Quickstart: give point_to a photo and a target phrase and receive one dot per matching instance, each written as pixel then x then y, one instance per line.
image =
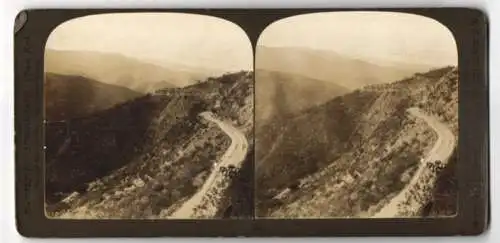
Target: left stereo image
pixel 148 116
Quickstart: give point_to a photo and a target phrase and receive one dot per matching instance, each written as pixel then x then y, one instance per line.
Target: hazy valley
pixel 292 79
pixel 70 96
pixel 116 69
pixel 329 66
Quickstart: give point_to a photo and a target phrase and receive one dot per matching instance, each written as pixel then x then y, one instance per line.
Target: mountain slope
pixel 349 156
pixel 281 94
pixel 330 66
pixel 74 96
pixel 145 157
pixel 118 70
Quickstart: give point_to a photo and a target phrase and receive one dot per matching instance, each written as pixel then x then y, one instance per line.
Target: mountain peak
pixel 118 69
pixel 331 66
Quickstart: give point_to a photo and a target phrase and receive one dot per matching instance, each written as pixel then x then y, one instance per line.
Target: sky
pixel 209 42
pixel 188 39
pixel 381 37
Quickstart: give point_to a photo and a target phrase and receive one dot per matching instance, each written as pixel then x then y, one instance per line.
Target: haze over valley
pixel 302 77
pixel 120 70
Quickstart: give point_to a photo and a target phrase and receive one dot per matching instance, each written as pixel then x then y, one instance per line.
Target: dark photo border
pixel 470 29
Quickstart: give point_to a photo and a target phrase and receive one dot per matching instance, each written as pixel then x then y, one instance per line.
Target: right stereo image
pixel 356 116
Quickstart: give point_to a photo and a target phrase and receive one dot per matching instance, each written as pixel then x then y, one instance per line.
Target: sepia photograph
pixel 148 116
pixel 241 122
pixel 356 116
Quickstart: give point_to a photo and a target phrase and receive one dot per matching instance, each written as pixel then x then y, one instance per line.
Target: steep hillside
pixel 348 157
pixel 330 66
pixel 75 96
pixel 142 158
pixel 280 94
pixel 118 70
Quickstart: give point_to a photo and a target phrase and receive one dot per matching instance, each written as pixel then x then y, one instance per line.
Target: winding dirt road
pixel 442 150
pixel 234 155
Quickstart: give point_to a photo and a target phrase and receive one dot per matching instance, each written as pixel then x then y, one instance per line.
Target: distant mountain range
pixel 291 79
pixel 332 67
pixel 69 96
pixel 120 70
pixel 279 93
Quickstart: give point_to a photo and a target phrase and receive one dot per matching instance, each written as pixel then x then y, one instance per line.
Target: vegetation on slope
pixel 141 158
pixel 348 157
